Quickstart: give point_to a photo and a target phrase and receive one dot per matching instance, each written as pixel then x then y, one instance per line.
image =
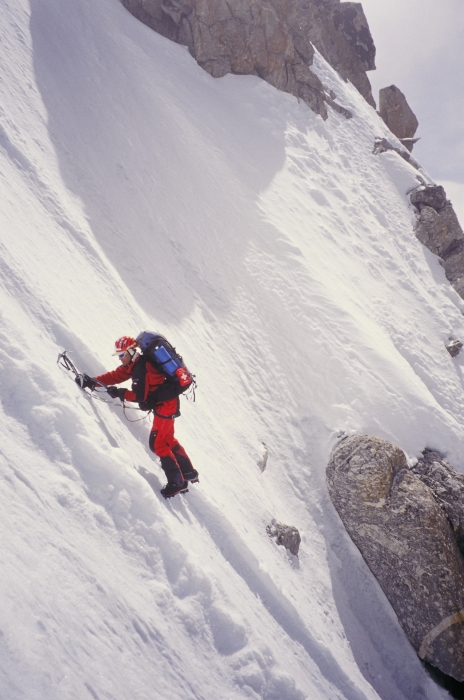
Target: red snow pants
pixel 174 459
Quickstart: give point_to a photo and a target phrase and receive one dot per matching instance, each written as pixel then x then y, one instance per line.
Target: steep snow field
pixel 277 252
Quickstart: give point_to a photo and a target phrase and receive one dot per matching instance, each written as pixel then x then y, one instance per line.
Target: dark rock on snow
pixel 429 196
pixel 406 539
pixel 285 535
pixel 454 348
pixel 397 115
pixel 272 39
pixel 339 30
pixel 439 230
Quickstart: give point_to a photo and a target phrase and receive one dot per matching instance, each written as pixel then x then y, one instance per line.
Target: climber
pixel 150 388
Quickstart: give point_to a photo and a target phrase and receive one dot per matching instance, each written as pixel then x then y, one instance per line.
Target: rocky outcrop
pixel 285 535
pixel 447 486
pixel 439 230
pixel 407 541
pixel 398 115
pixel 428 196
pixel 340 32
pixel 272 39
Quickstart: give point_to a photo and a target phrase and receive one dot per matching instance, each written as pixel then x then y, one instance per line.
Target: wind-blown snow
pixel 277 252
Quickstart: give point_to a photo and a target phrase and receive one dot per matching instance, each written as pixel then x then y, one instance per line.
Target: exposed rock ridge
pixel 272 39
pixel 406 539
pixel 439 230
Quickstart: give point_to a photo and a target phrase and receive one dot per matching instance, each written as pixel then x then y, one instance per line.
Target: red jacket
pixel 153 378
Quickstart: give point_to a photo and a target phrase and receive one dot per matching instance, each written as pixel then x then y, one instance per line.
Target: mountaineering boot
pixel 171 469
pixel 186 466
pixel 171 490
pixel 191 477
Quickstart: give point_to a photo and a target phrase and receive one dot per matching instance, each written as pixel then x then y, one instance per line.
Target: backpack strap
pixel 139 374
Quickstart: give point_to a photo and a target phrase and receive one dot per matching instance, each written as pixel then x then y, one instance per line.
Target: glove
pixel 116 393
pixel 85 382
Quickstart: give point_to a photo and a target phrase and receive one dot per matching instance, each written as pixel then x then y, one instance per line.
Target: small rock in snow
pixel 285 535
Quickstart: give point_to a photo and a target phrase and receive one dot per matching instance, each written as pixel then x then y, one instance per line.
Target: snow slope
pixel 277 252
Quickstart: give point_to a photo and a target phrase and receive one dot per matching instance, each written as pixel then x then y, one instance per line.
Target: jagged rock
pixel 438 228
pixel 270 38
pixel 429 196
pixel 285 535
pixel 448 487
pixel 439 231
pixel 241 37
pixel 397 114
pixel 454 348
pixel 340 32
pixel 406 540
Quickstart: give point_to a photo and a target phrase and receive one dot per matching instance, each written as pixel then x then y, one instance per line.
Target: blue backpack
pixel 159 351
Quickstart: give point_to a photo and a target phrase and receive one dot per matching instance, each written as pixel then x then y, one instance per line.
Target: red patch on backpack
pixel 183 375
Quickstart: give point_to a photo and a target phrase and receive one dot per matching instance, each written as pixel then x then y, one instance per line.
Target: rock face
pixel 397 115
pixel 429 196
pixel 272 39
pixel 340 32
pixel 439 230
pixel 403 534
pixel 448 488
pixel 285 535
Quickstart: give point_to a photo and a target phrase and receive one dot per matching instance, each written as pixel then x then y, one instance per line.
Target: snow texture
pixel 277 253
